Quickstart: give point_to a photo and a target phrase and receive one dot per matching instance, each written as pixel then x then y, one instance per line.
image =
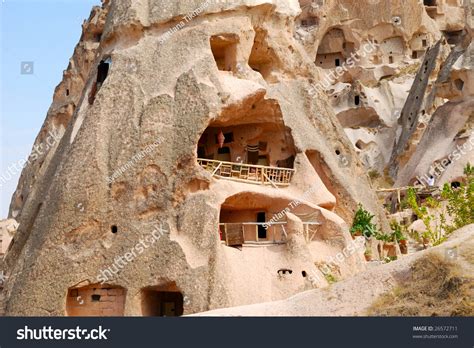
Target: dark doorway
pixel 356 100
pixel 102 72
pixel 162 303
pixel 338 62
pixel 252 154
pixel 223 154
pixel 262 232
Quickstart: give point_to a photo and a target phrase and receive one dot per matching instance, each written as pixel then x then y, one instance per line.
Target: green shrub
pixel 432 202
pixel 388 259
pixel 436 235
pixel 330 278
pixel 461 200
pixel 397 234
pixel 363 223
pixel 373 174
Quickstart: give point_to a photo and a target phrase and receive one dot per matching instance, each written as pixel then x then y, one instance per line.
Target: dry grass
pixel 435 289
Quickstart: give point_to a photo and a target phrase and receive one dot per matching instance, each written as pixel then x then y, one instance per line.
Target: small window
pixel 414 55
pixel 228 138
pixel 223 150
pixel 224 50
pixel 67 92
pixel 356 100
pixel 424 43
pixel 390 59
pixel 338 62
pixel 95 298
pixel 459 84
pixel 455 184
pixel 102 71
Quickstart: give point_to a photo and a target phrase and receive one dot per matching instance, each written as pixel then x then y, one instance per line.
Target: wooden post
pixel 269 180
pixel 226 235
pixel 217 168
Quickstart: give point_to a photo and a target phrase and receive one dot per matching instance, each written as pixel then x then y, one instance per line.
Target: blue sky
pixel 44 32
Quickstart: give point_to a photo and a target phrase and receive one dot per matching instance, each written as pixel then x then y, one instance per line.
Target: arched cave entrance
pixel 250 218
pixel 333 49
pixel 249 145
pixel 162 301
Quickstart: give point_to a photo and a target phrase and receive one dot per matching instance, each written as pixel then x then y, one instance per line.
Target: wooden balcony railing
pixel 248 173
pixel 240 233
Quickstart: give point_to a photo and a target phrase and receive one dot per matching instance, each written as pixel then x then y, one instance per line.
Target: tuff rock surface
pixel 176 68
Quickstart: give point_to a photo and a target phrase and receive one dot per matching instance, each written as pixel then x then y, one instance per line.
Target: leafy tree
pixel 461 200
pixel 436 234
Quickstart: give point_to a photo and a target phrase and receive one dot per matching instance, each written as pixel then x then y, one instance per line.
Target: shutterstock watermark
pixel 27 68
pixel 134 160
pixel 331 77
pixel 49 333
pixel 335 261
pixel 120 262
pixel 38 150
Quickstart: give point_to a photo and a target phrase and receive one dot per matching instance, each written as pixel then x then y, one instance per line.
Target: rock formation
pixel 423 278
pixel 207 153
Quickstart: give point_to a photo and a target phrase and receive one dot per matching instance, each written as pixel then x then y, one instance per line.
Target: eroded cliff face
pixel 393 86
pixel 182 120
